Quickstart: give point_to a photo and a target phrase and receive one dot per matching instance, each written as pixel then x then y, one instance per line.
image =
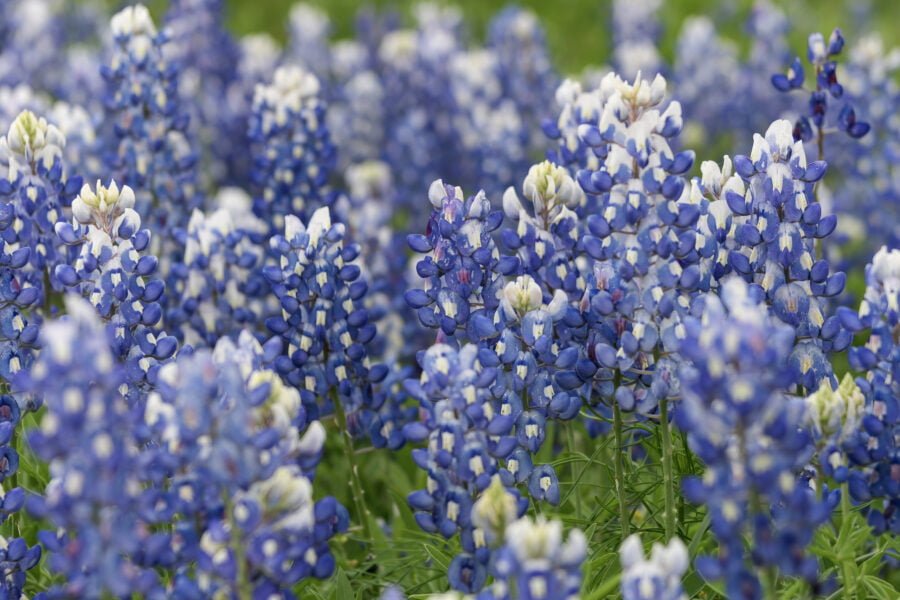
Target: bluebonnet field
pixel 411 315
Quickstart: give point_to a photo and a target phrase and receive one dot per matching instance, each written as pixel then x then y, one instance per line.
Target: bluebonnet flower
pixel 486 407
pixel 636 31
pixel 534 562
pixel 292 151
pixel 257 58
pixel 576 106
pixel 641 219
pixel 95 500
pixel 835 413
pixel 324 322
pixel 546 234
pixel 15 554
pixel 227 433
pixel 821 56
pixel 707 75
pixel 470 440
pixel 777 225
pixel 147 135
pixel 867 195
pixel 750 435
pixel 356 118
pixel 489 129
pixel 108 269
pixel 308 31
pixel 36 190
pixel 657 577
pixel 219 284
pixel 459 268
pixel 33 192
pixel 206 56
pixel 872 449
pixel 17 558
pixel 414 64
pixel 525 70
pixel 527 344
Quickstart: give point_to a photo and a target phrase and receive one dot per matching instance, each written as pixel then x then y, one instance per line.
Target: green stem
pixel 620 469
pixel 847 562
pixel 356 488
pixel 606 590
pixel 668 477
pixel 571 440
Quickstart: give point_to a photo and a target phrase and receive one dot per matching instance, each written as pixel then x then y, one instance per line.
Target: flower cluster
pixel 109 270
pixel 36 191
pixel 95 501
pixel 324 323
pixel 293 155
pixel 871 447
pixel 459 268
pixel 776 226
pixel 582 339
pixel 750 436
pixel 821 57
pixel 148 142
pixel 211 469
pixel 238 475
pixel 657 577
pixel 534 560
pixel 642 231
pixel 219 284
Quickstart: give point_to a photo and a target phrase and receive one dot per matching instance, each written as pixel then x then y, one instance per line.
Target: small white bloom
pixel 521 296
pixel 495 510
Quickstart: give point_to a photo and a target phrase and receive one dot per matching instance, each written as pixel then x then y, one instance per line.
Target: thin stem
pixel 571 441
pixel 846 561
pixel 620 469
pixel 668 478
pixel 356 488
pixel 821 142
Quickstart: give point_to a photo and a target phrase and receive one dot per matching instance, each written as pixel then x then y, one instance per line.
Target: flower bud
pixel 494 510
pixel 835 413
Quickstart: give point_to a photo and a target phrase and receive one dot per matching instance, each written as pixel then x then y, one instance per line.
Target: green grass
pixel 578 31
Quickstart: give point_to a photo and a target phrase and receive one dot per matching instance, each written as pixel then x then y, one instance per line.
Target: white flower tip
pixel 511 203
pixel 631 552
pixel 293 227
pixel 133 20
pixel 436 193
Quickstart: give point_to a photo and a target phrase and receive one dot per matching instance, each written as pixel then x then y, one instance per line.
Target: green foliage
pixel 577 30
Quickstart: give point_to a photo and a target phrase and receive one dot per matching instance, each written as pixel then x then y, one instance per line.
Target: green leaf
pixel 342 588
pixel 880 589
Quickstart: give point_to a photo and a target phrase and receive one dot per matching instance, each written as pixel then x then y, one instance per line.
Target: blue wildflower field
pixel 415 309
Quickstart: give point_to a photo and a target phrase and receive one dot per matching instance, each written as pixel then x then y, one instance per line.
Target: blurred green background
pixel 578 31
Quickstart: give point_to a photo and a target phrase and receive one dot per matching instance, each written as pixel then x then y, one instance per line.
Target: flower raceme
pixel 572 344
